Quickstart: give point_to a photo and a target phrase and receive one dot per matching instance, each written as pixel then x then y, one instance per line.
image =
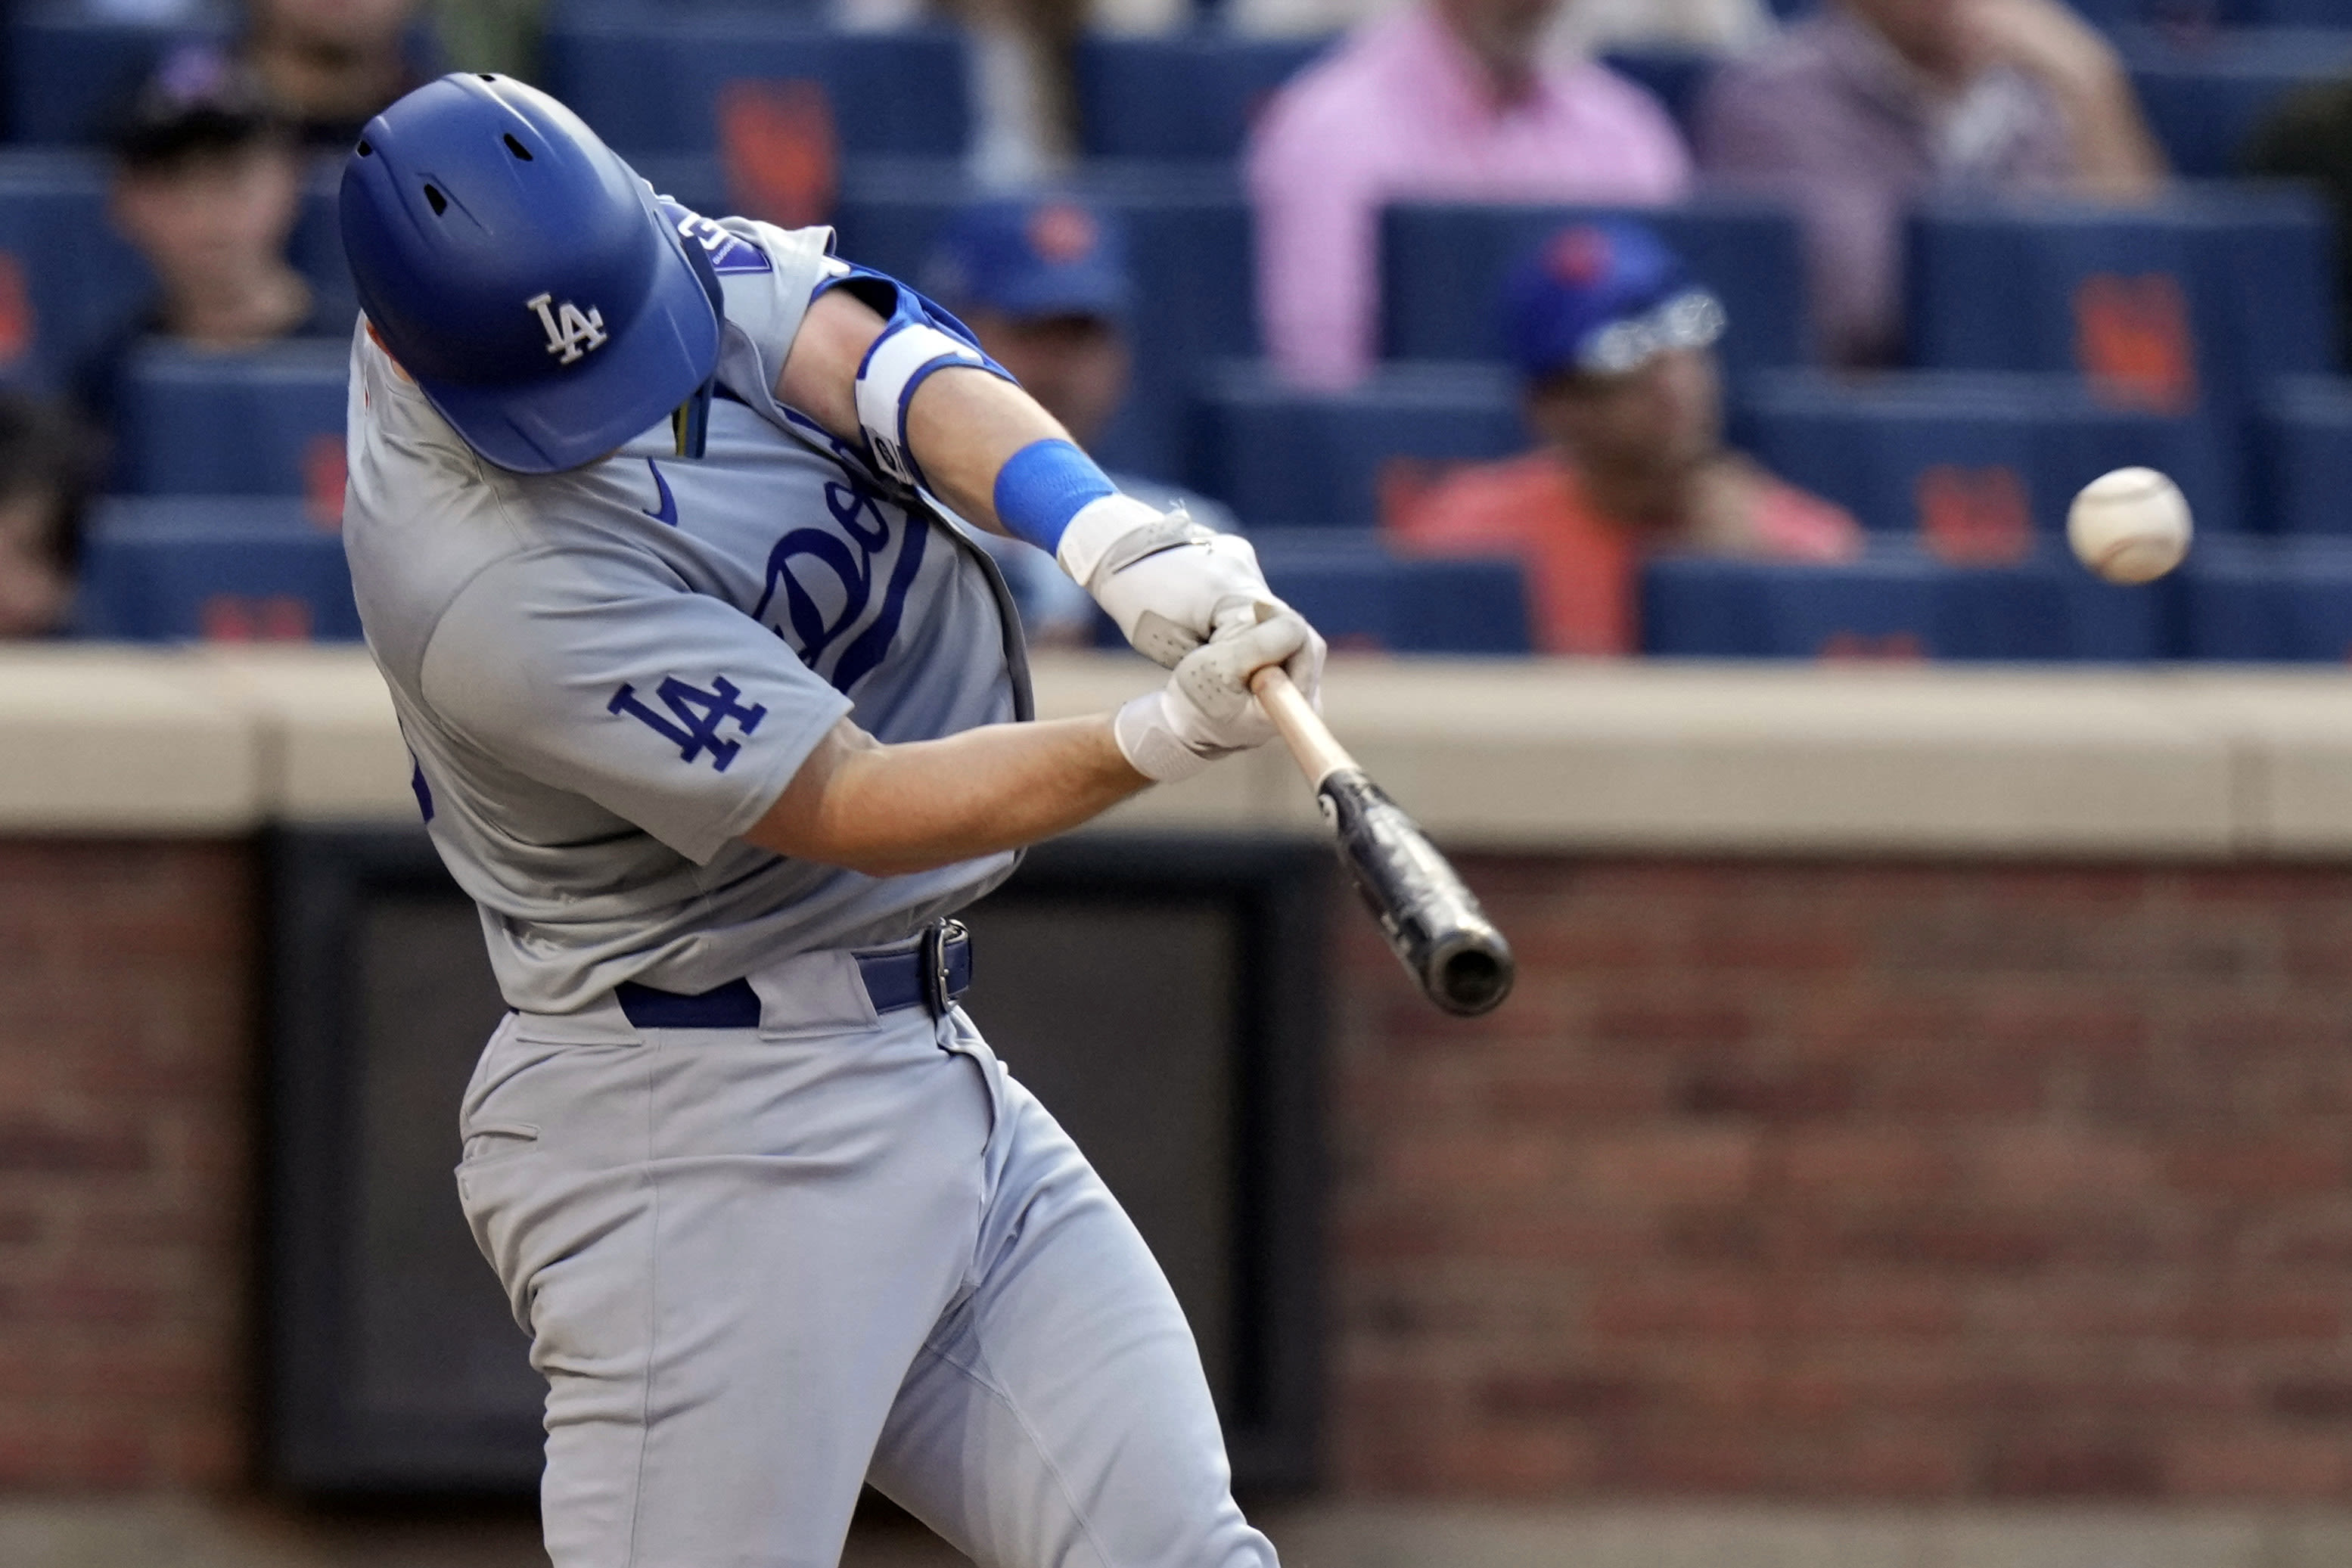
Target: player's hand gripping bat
pixel 1431 920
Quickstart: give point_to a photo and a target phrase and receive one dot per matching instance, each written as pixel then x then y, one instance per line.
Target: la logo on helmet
pixel 570 332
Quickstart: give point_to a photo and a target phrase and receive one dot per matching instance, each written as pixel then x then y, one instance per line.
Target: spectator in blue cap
pixel 1616 344
pixel 1043 282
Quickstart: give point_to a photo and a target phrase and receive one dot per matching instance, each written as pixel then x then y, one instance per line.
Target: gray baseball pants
pixel 760 1267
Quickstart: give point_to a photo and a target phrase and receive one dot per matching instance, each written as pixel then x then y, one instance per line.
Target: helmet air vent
pixel 517 147
pixel 439 203
pixel 366 151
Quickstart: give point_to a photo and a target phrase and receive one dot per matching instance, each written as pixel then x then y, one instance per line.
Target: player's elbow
pixel 841 809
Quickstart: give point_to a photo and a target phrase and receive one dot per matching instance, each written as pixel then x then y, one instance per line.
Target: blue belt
pixel 931 974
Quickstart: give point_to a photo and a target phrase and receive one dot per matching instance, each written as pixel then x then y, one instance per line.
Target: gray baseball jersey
pixel 607 675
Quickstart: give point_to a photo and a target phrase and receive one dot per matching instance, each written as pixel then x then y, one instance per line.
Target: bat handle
pixel 1318 753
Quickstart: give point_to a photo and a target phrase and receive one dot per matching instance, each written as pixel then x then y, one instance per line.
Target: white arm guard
pixel 905 354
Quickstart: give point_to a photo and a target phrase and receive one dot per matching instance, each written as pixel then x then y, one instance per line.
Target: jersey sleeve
pixel 601 672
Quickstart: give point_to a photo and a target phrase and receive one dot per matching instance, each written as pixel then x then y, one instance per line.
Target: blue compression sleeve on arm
pixel 1042 487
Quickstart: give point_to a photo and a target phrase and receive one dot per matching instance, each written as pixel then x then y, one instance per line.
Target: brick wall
pixel 1903 1183
pixel 1829 1181
pixel 125 1078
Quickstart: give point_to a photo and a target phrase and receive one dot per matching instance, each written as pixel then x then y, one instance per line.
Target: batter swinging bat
pixel 1431 920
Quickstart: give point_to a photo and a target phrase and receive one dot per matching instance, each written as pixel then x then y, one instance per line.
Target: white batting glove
pixel 1166 579
pixel 1206 710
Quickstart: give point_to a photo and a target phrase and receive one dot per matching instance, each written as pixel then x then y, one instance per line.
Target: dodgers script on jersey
pixel 606 675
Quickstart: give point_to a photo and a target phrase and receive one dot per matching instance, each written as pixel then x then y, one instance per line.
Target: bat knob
pixel 1469 971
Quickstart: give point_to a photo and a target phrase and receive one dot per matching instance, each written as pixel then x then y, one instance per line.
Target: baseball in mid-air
pixel 2129 525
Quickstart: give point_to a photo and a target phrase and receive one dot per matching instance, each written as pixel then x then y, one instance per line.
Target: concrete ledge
pixel 118 741
pixel 1524 756
pixel 1700 1535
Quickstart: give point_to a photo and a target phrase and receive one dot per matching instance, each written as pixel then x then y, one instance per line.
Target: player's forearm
pixel 890 810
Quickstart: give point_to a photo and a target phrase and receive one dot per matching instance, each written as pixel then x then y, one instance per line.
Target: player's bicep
pixel 820 374
pixel 671 709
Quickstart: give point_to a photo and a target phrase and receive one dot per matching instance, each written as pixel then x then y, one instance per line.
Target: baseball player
pixel 717 721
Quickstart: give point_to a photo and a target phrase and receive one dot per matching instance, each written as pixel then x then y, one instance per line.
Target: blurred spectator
pixel 1623 391
pixel 1859 109
pixel 491 35
pixel 44 474
pixel 1446 99
pixel 1043 282
pixel 207 184
pixel 2309 137
pixel 1023 99
pixel 327 66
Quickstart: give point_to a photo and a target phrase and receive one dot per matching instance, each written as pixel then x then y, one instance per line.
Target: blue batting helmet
pixel 522 274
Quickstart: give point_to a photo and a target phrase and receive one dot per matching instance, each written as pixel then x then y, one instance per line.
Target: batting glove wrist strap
pixel 1147 730
pixel 1110 525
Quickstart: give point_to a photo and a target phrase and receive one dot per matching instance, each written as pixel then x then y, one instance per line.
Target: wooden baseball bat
pixel 1432 921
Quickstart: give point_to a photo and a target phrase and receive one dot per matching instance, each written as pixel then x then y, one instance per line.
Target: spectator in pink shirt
pixel 1446 99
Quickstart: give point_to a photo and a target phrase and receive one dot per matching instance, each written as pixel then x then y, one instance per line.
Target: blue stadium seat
pixel 2209 294
pixel 2269 599
pixel 2205 91
pixel 651 82
pixel 1189 233
pixel 1283 458
pixel 66 276
pixel 266 422
pixel 1443 266
pixel 1363 598
pixel 247 570
pixel 72 72
pixel 2305 456
pixel 1897 603
pixel 1951 454
pixel 1187 95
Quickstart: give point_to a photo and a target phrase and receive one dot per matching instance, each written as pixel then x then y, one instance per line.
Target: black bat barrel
pixel 1432 921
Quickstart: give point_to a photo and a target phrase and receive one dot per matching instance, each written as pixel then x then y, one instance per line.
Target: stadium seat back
pixel 1284 458
pixel 265 422
pixel 1187 95
pixel 1365 599
pixel 2303 456
pixel 1969 461
pixel 2204 92
pixel 245 570
pixel 71 70
pixel 67 278
pixel 1443 266
pixel 1899 604
pixel 2200 299
pixel 658 82
pixel 1881 608
pixel 2269 601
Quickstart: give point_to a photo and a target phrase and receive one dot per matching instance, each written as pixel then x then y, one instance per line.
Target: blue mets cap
pixel 1030 257
pixel 1604 297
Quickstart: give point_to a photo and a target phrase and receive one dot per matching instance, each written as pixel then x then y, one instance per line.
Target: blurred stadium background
pixel 1924 1135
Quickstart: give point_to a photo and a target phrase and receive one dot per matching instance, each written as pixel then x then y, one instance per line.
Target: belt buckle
pixel 934 954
